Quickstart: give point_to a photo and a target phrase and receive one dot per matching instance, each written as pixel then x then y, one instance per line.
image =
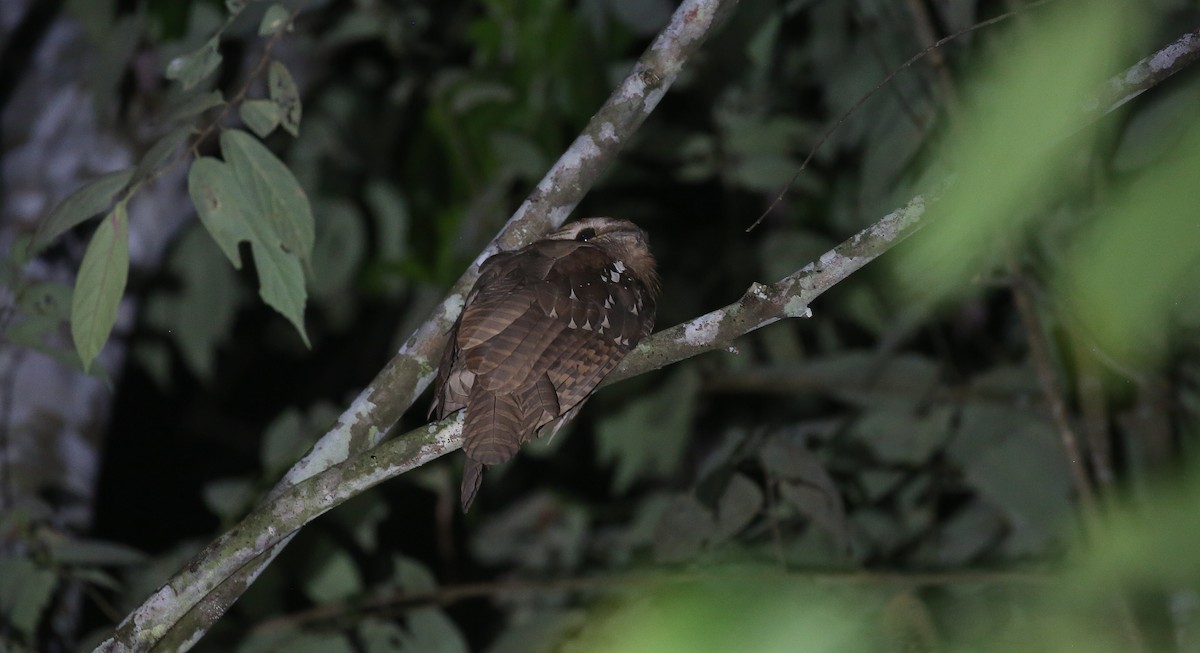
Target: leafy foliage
pixel 888 475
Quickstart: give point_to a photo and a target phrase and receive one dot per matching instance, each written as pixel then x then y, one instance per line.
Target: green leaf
pixel 285 94
pixel 275 19
pixel 198 313
pixel 1014 459
pixel 25 591
pixel 276 193
pixel 193 104
pixel 338 252
pixel 192 68
pixel 261 116
pixel 334 576
pixel 429 630
pixel 283 442
pixel 739 505
pixel 624 437
pixel 686 527
pixel 229 498
pixel 92 198
pixel 95 553
pixel 160 151
pixel 255 198
pixel 100 284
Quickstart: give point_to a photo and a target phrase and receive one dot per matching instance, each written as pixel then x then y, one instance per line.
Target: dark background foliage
pixel 894 456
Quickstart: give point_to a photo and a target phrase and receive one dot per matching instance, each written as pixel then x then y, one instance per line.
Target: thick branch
pixel 183 610
pixel 272 523
pixel 339 466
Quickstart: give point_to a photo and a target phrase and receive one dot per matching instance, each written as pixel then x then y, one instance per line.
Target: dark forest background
pixel 983 440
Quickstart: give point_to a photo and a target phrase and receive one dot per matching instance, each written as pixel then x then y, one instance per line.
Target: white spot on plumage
pixel 608 302
pixel 554 311
pixel 572 295
pixel 587 326
pixel 619 266
pixel 572 324
pixel 614 275
pixel 605 324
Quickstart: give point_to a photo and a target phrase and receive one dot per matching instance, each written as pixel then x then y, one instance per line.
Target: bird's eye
pixel 586 234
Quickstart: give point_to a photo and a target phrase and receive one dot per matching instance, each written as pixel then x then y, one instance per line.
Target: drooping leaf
pixel 100 285
pixel 274 190
pixel 93 197
pixel 237 202
pixel 286 96
pixel 192 68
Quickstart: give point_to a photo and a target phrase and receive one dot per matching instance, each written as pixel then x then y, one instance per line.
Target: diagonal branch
pixel 340 465
pixel 176 616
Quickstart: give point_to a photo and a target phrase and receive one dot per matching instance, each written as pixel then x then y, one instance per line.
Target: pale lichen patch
pixel 704 329
pixel 796 307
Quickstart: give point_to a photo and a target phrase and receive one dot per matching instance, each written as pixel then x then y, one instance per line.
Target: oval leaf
pixel 94 197
pixel 100 284
pixel 261 116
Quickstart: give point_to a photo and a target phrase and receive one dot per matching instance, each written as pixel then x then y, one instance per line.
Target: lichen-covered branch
pixel 1145 74
pixel 340 465
pixel 181 612
pixel 272 523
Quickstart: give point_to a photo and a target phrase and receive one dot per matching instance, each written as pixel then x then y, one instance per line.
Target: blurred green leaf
pixel 94 197
pixel 261 116
pixel 158 153
pixel 190 105
pixel 273 20
pixel 1015 460
pixel 1014 152
pixel 95 553
pixel 25 592
pixel 229 498
pixel 739 505
pixel 1138 261
pixel 100 285
pixel 686 527
pixel 200 313
pixel 429 630
pixel 284 441
pixel 332 575
pixel 192 68
pixel 286 96
pixel 622 437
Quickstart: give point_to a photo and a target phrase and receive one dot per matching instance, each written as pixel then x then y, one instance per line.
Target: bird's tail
pixel 472 477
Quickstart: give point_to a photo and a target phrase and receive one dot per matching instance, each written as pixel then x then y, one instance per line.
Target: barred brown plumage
pixel 541 328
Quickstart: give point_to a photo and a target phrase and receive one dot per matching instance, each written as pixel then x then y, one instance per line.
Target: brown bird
pixel 541 328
